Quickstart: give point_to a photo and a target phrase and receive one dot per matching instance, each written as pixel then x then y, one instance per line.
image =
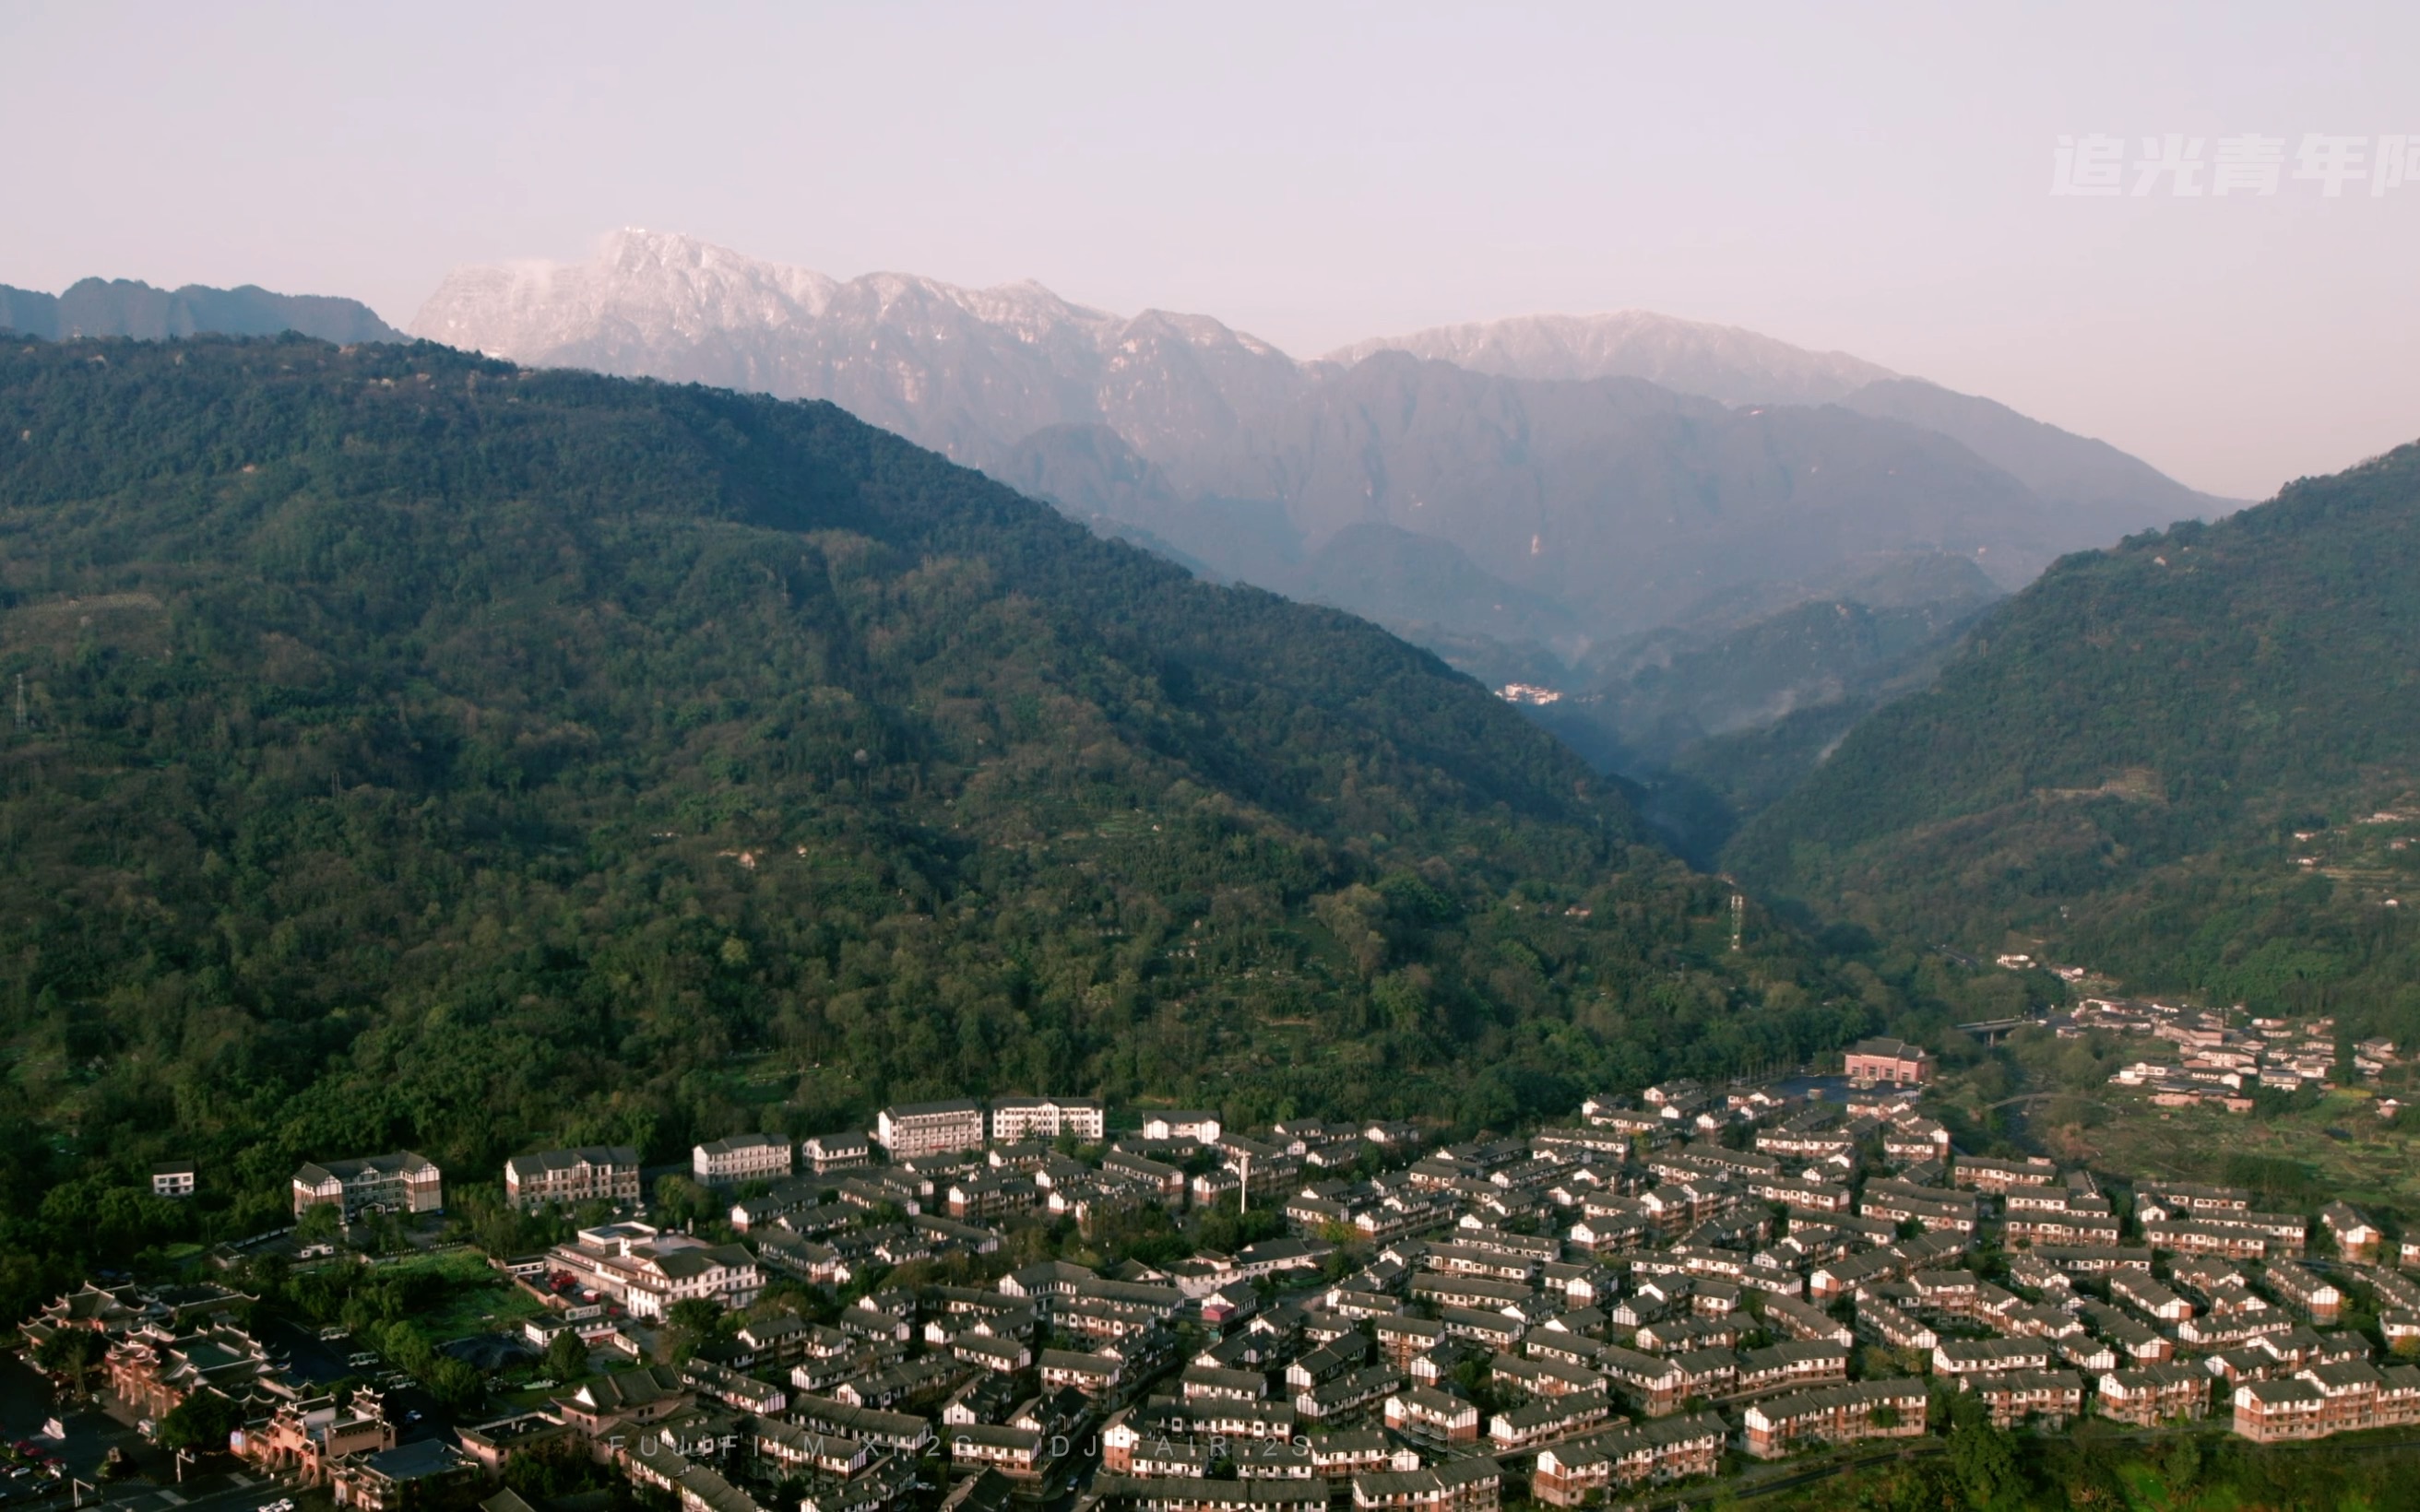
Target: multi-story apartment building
pixel 1974 1357
pixel 1432 1414
pixel 2270 1411
pixel 1018 1119
pixel 1570 1475
pixel 1193 1124
pixel 910 1129
pixel 2357 1238
pixel 825 1153
pixel 1201 1493
pixel 593 1173
pixel 2051 1397
pixel 649 1272
pixel 2156 1394
pixel 1473 1485
pixel 173 1178
pixel 1545 1419
pixel 402 1182
pixel 747 1157
pixel 1986 1175
pixel 1835 1414
pixel 2196 1236
pixel 2138 1290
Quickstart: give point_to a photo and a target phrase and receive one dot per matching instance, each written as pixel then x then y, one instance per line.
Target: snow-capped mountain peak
pixel 968 371
pixel 1717 362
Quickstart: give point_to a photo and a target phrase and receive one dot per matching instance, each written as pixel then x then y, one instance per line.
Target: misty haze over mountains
pixel 1520 495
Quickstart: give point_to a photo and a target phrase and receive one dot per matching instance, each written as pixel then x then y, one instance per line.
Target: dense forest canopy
pixel 2192 762
pixel 413 750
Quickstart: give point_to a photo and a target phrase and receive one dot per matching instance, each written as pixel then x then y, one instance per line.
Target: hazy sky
pixel 1876 179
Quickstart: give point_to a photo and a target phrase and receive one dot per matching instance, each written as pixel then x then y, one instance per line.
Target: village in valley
pixel 975 1305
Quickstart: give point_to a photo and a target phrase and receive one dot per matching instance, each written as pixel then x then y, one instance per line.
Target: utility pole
pixel 1244 1192
pixel 21 704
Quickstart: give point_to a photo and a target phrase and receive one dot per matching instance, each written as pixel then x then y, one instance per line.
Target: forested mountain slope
pixel 415 750
pixel 2193 760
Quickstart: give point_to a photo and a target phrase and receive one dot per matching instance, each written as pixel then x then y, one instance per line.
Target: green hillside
pixel 2193 760
pixel 416 751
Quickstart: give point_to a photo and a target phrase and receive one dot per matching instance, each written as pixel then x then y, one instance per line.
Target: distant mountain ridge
pixel 996 378
pixel 967 371
pixel 126 307
pixel 2071 471
pixel 1725 362
pixel 1512 494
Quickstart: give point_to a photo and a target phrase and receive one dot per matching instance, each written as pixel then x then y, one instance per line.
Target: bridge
pixel 1990 1031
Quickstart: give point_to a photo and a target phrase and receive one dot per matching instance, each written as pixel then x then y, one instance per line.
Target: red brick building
pixel 1895 1061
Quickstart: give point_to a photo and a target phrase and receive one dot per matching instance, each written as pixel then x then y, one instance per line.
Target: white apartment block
pixel 748 1157
pixel 823 1153
pixel 1018 1119
pixel 911 1130
pixel 648 1270
pixel 1204 1128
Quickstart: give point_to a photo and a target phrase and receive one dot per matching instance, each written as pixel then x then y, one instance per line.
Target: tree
pixel 455 1385
pixel 71 1352
pixel 697 1315
pixel 558 1467
pixel 2181 1466
pixel 202 1421
pixel 567 1355
pixel 680 1202
pixel 688 1325
pixel 1984 1459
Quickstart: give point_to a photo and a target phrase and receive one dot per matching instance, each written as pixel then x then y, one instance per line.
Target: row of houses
pixel 1603 1278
